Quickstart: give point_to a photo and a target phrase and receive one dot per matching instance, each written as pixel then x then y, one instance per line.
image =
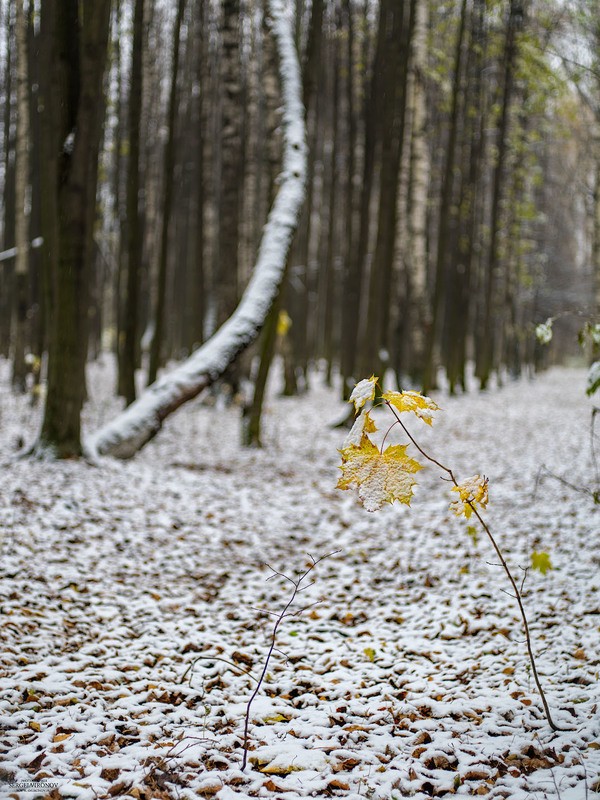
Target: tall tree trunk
pixel 486 333
pixel 252 415
pixel 353 279
pixel 8 191
pixel 197 229
pixel 231 160
pixel 417 306
pixel 328 288
pixel 377 342
pixel 133 233
pixel 464 232
pixel 299 277
pixel 77 45
pixel 19 372
pixel 168 174
pixel 446 214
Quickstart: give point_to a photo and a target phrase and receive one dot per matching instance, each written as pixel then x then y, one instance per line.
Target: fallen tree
pixel 140 422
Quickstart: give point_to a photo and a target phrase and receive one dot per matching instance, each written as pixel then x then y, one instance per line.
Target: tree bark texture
pixel 78 40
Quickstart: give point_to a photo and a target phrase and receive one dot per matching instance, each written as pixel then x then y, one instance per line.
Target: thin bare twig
pixel 216 658
pixel 285 612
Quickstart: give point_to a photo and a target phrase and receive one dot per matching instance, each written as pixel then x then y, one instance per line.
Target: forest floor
pixel 134 602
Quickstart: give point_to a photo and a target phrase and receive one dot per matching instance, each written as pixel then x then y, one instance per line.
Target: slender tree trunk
pixel 463 241
pixel 19 372
pixel 299 276
pixel 328 288
pixel 133 233
pixel 353 279
pixel 8 191
pixel 169 166
pixel 377 341
pixel 486 334
pixel 197 228
pixel 251 422
pixel 596 239
pixel 231 161
pixel 446 213
pixel 416 248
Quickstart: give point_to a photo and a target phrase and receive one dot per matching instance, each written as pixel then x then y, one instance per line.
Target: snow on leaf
pixel 419 404
pixel 380 477
pixel 593 378
pixel 363 424
pixel 473 492
pixel 363 392
pixel 541 562
pixel 543 331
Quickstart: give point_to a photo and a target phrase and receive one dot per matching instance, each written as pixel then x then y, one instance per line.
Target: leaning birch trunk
pixel 142 420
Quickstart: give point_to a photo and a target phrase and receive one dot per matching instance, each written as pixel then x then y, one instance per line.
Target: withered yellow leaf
pixel 363 392
pixel 419 404
pixel 380 477
pixel 473 493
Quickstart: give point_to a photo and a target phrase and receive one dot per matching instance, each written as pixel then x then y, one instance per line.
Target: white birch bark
pixel 141 421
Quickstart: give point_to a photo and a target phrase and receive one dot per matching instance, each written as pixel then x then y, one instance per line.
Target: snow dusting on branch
pixel 137 424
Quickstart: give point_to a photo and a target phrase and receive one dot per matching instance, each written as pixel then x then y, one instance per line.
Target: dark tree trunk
pixel 251 423
pixel 130 326
pixel 353 278
pixel 377 341
pixel 169 166
pixel 486 333
pixel 77 46
pixel 446 215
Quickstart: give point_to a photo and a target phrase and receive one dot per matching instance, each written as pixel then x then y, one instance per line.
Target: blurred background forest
pixel 453 197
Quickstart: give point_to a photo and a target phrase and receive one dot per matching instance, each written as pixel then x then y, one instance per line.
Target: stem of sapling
pixel 517 593
pixel 285 612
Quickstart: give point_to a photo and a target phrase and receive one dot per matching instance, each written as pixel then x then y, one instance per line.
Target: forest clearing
pixel 135 599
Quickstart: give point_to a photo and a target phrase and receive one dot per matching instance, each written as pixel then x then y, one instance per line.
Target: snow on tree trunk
pixel 141 421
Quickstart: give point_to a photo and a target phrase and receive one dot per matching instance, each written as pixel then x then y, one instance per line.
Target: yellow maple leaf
pixel 362 392
pixel 419 404
pixel 362 424
pixel 473 492
pixel 380 477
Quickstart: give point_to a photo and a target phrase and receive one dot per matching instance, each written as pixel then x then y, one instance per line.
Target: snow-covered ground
pixel 134 602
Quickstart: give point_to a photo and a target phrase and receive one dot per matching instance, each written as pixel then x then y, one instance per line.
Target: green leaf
pixel 472 531
pixel 370 653
pixel 541 562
